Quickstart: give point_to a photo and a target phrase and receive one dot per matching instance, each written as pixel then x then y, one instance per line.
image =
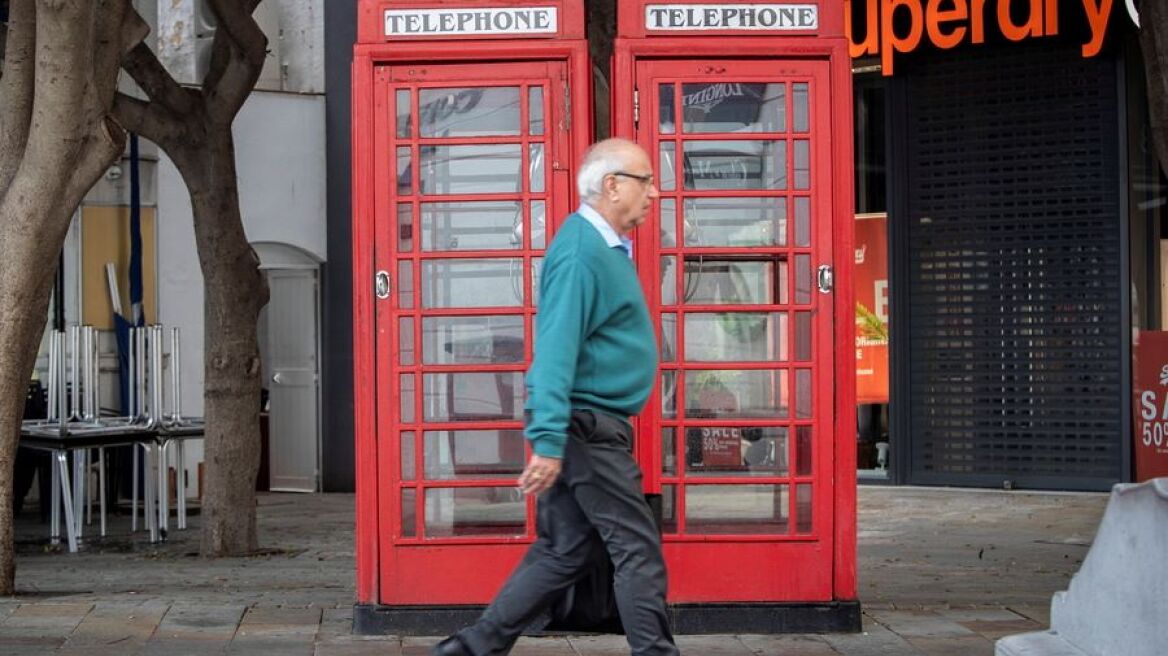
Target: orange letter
pixel 871 44
pixel 1032 26
pixel 1051 17
pixel 893 43
pixel 934 16
pixel 977 21
pixel 1097 17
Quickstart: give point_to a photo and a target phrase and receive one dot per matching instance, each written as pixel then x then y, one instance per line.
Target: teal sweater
pixel 594 345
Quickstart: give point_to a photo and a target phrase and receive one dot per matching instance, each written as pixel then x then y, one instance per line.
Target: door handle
pixel 826 279
pixel 381 284
pixel 277 379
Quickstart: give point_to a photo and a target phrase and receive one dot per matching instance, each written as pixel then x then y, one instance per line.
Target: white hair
pixel 601 160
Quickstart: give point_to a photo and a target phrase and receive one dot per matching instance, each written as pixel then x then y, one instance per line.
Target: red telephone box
pixel 468 119
pixel 746 109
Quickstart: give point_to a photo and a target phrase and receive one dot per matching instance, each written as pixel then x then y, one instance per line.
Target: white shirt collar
pixel 605 229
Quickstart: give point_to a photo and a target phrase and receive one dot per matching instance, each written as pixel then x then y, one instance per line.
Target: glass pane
pixel 735 337
pixel 471 226
pixel 735 394
pixel 669 338
pixel 715 281
pixel 481 169
pixel 406 393
pixel 474 454
pixel 803 400
pixel 802 164
pixel 475 511
pixel 726 509
pixel 536 270
pixel 667 169
pixel 472 340
pixel 803 508
pixel 732 451
pixel 800 110
pixel 535 110
pixel 407 456
pixel 802 279
pixel 668 452
pixel 405 340
pixel 536 168
pixel 802 336
pixel 474 396
pixel 405 227
pixel 735 222
pixel 404 122
pixel 668 223
pixel 735 165
pixel 669 280
pixel 803 451
pixel 472 283
pixel 469 112
pixel 669 395
pixel 409 511
pixel 669 509
pixel 538 226
pixel 665 109
pixel 734 107
pixel 803 221
pixel 405 284
pixel 405 172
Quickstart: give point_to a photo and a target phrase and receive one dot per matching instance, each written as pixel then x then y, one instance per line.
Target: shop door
pixel 470 174
pixel 738 439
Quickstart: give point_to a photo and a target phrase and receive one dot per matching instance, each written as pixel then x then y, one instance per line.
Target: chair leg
pixel 67 494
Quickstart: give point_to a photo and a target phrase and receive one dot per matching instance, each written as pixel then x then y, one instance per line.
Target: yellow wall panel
pixel 105 237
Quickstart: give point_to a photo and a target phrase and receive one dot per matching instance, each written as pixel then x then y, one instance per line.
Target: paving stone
pixel 923 624
pixel 281 615
pixel 995 630
pixel 335 623
pixel 44 620
pixel 765 645
pixel 120 626
pixel 875 640
pixel 359 648
pixel 600 645
pixel 1039 613
pixel 979 614
pixel 712 645
pixel 265 646
pixel 954 646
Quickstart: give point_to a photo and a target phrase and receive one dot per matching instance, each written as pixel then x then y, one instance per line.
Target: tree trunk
pixel 1154 44
pixel 235 292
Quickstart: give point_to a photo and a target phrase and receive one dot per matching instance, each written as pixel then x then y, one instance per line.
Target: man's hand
pixel 539 475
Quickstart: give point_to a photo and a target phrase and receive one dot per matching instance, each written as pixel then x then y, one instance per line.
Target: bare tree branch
pixel 16 87
pixel 143 65
pixel 119 28
pixel 102 147
pixel 237 58
pixel 149 119
pixel 235 19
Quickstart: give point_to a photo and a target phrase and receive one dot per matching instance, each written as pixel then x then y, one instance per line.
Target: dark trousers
pixel 595 505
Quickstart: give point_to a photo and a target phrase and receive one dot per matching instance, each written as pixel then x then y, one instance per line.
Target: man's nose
pixel 653 193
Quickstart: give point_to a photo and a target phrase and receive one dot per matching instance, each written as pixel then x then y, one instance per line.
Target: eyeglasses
pixel 643 179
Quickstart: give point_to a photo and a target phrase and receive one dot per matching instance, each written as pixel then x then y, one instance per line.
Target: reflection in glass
pixel 405 227
pixel 669 509
pixel 405 284
pixel 727 281
pixel 405 340
pixel 734 107
pixel 665 109
pixel 799 97
pixel 734 222
pixel 409 511
pixel 538 227
pixel 669 280
pixel 668 223
pixel 669 338
pixel 803 508
pixel 407 456
pixel 711 165
pixel 736 394
pixel 736 451
pixel 474 454
pixel 802 221
pixel 536 168
pixel 472 283
pixel 405 172
pixel 472 340
pixel 725 509
pixel 802 279
pixel 470 225
pixel 479 169
pixel 405 390
pixel 535 110
pixel 475 511
pixel 474 396
pixel 667 169
pixel 669 394
pixel 803 451
pixel 735 337
pixel 469 112
pixel 802 164
pixel 803 401
pixel 404 124
pixel 536 271
pixel 668 452
pixel 802 336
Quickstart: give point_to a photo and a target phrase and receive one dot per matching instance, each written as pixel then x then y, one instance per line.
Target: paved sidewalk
pixel 942 572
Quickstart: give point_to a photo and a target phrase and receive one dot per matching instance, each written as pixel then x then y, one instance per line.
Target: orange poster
pixel 871 308
pixel 1150 401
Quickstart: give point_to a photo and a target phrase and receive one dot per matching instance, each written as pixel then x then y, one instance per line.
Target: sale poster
pixel 871 308
pixel 1150 401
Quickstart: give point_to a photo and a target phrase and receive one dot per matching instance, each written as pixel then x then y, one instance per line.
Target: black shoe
pixel 451 646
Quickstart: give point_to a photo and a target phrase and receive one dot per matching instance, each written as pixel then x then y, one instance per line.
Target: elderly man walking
pixel 595 362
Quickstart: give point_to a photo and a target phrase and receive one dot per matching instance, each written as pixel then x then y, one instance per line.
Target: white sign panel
pixel 459 22
pixel 732 17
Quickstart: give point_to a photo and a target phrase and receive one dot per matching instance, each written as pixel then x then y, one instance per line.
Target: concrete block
pixel 1039 643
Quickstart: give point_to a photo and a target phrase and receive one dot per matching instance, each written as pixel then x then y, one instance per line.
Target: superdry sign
pixel 777 17
pixel 470 22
